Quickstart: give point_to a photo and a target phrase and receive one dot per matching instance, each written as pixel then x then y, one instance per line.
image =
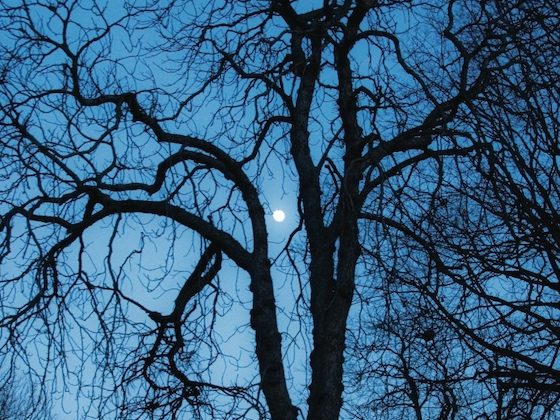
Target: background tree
pixel 142 144
pixel 19 400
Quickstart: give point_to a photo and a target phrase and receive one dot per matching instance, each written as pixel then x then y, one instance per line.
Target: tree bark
pixel 269 345
pixel 329 333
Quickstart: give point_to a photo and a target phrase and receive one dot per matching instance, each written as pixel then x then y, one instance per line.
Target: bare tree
pixel 142 144
pixel 20 400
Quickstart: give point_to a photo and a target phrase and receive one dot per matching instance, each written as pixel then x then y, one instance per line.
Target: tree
pixel 20 401
pixel 420 139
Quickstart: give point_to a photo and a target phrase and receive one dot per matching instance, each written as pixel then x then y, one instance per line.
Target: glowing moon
pixel 278 215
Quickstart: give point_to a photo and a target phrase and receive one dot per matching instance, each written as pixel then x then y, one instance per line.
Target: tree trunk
pixel 329 332
pixel 327 358
pixel 269 345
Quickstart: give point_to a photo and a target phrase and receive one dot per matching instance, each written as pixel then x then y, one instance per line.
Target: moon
pixel 278 215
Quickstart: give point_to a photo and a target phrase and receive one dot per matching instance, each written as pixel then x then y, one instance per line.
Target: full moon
pixel 278 215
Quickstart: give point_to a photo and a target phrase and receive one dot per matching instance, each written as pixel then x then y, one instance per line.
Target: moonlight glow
pixel 278 215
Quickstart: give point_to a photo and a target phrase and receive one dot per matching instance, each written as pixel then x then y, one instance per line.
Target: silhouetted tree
pixel 19 400
pixel 141 145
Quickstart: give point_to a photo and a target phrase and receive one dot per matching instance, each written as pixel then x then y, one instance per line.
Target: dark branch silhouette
pixel 143 144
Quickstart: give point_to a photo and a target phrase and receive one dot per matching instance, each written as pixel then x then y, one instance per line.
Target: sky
pixel 147 256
